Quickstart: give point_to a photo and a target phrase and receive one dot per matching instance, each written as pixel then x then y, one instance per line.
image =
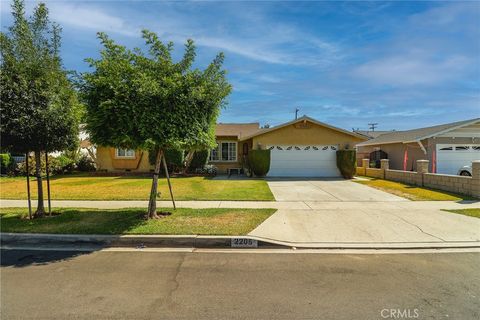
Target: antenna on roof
pixel 296 113
pixel 372 126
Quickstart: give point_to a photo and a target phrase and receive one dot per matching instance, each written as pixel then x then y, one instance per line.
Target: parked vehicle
pixel 465 171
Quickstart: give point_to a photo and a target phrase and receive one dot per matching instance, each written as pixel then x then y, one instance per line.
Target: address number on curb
pixel 244 243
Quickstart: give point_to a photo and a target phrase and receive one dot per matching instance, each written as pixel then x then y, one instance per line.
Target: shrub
pixel 5 163
pixel 85 163
pixel 199 160
pixel 259 162
pixel 63 164
pixel 22 169
pixel 174 157
pixel 347 163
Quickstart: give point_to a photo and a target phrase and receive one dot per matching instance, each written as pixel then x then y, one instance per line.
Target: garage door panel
pixel 303 161
pixel 451 157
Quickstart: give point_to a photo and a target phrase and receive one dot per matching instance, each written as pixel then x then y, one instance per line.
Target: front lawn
pixel 412 192
pixel 467 212
pixel 130 221
pixel 77 187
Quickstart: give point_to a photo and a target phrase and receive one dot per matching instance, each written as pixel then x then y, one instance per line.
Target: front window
pixel 225 151
pixel 125 153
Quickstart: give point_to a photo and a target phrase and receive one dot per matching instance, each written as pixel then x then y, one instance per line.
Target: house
pixel 448 147
pixel 303 147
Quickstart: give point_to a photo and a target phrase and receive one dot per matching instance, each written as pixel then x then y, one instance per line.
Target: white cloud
pixel 412 69
pixel 89 17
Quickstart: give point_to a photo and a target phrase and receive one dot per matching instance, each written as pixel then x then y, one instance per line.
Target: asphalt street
pixel 212 285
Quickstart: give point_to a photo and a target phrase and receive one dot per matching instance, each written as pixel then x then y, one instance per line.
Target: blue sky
pixel 401 64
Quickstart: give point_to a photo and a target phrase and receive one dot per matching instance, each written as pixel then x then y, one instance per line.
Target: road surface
pixel 212 285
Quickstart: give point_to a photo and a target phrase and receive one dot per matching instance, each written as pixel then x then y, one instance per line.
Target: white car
pixel 465 171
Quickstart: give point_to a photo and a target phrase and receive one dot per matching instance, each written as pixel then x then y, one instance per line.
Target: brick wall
pixel 374 173
pixel 458 184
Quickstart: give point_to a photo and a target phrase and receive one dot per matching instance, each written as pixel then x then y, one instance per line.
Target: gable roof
pixel 417 134
pixel 372 134
pixel 236 129
pixel 301 119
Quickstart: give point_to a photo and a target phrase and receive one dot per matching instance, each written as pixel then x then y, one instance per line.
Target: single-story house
pixel 448 147
pixel 303 147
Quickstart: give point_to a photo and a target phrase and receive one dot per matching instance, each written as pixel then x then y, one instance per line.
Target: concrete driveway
pixel 341 213
pixel 326 190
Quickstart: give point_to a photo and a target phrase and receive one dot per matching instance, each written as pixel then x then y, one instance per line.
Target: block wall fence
pixel 458 184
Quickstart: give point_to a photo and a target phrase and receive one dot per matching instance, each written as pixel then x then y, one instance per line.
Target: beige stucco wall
pixel 223 166
pixel 308 134
pixel 107 161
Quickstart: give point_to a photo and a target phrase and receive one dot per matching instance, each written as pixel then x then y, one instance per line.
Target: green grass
pixel 412 192
pixel 82 187
pixel 467 212
pixel 131 221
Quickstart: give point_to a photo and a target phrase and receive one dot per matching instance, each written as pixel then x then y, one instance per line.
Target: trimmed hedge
pixel 347 163
pixel 259 162
pixel 199 160
pixel 5 163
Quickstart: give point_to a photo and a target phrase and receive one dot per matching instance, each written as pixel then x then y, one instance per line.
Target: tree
pixel 40 109
pixel 147 101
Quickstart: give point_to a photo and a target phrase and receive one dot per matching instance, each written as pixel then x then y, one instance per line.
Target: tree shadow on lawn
pixel 69 221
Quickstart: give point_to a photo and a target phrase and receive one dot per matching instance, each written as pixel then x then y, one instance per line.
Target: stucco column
pixel 476 178
pixel 365 165
pixel 422 167
pixel 384 165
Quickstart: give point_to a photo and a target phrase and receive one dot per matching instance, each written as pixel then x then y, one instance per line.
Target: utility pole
pixel 372 126
pixel 296 113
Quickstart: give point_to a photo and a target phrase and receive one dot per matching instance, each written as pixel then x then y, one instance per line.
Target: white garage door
pixel 451 157
pixel 303 161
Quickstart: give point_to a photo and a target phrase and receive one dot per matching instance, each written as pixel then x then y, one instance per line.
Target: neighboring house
pixel 448 147
pixel 372 134
pixel 303 147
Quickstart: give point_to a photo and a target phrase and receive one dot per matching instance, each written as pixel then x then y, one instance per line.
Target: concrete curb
pixel 153 241
pixel 204 242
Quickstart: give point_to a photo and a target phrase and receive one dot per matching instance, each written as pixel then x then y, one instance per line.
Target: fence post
pixel 384 165
pixel 365 165
pixel 422 167
pixel 476 178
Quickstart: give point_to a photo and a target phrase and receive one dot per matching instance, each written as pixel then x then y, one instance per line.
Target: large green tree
pixel 147 101
pixel 39 107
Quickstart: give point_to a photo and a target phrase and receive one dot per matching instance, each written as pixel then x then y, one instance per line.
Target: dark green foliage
pixel 347 163
pixel 259 162
pixel 139 100
pixel 199 160
pixel 39 109
pixel 174 157
pixel 85 164
pixel 6 162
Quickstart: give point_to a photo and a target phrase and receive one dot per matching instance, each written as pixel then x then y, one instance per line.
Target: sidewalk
pixel 293 205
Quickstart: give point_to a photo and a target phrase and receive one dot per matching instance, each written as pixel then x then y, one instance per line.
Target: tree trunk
pixel 38 172
pixel 188 160
pixel 152 204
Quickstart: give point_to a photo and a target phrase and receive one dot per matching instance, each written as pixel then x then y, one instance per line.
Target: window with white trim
pixel 125 153
pixel 225 151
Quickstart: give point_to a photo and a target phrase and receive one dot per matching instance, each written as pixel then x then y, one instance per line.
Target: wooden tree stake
pixel 28 188
pixel 168 180
pixel 48 184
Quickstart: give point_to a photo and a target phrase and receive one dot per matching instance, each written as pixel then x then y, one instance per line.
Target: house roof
pixel 372 134
pixel 417 134
pixel 236 129
pixel 301 119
